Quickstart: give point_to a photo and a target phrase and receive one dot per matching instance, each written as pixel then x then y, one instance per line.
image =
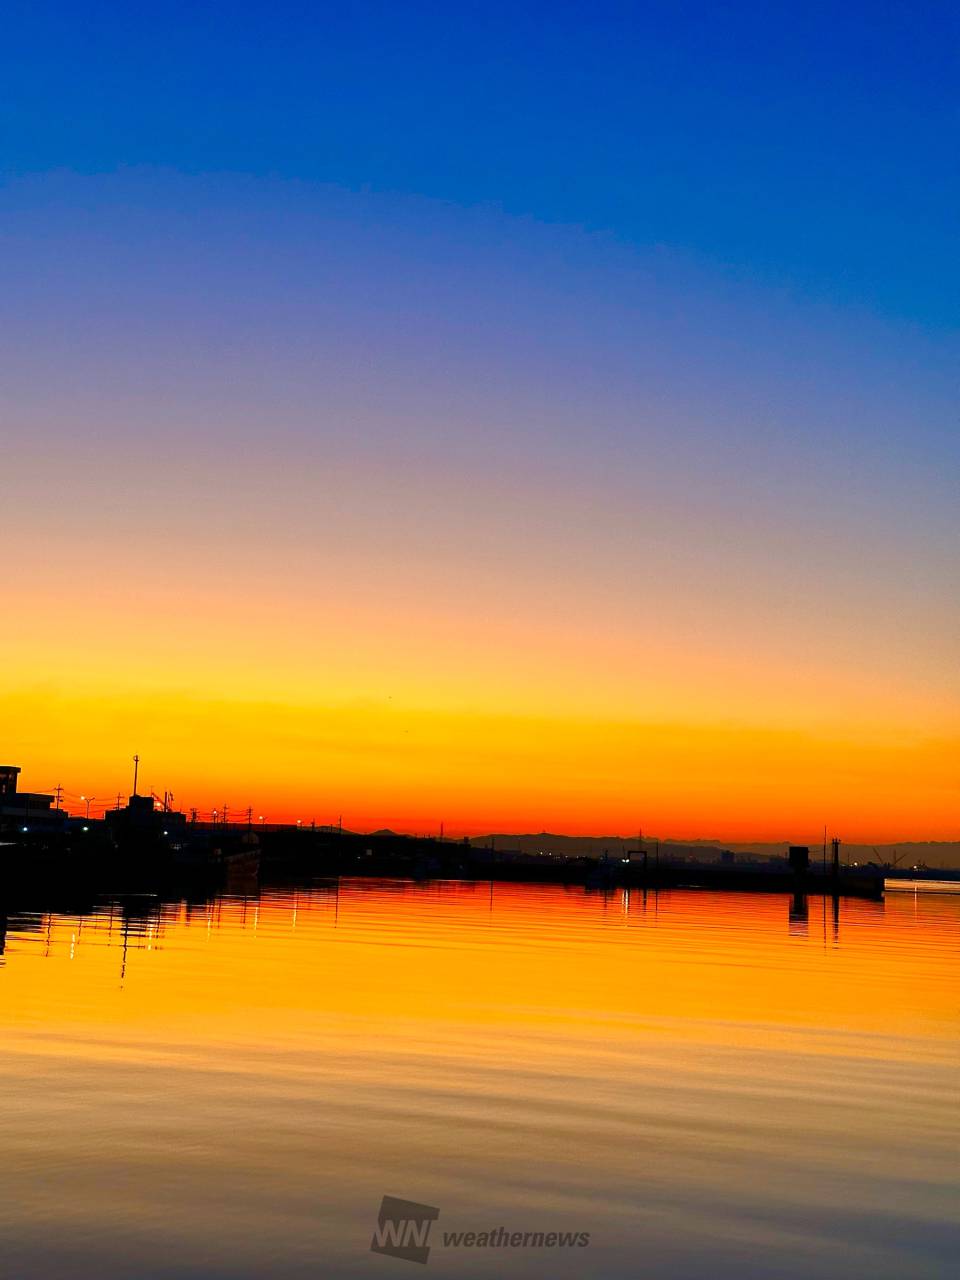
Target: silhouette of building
pixel 799 858
pixel 141 821
pixel 26 810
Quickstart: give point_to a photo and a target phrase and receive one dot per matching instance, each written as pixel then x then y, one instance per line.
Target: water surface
pixel 709 1084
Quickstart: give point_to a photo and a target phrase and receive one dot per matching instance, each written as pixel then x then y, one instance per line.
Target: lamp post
pixel 88 800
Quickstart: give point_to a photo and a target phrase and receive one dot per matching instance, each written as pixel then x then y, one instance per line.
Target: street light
pixel 88 800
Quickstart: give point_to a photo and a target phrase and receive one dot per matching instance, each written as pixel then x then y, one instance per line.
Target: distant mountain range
pixel 906 854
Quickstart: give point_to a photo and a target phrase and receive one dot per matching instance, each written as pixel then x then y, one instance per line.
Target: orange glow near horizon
pixel 392 714
pixel 380 764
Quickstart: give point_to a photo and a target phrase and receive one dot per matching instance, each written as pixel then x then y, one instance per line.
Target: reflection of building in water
pixel 799 914
pixel 26 810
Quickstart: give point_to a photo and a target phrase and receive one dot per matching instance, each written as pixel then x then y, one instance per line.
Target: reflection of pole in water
pixel 123 952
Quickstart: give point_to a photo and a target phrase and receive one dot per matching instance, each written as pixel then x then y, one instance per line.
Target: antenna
pixel 136 770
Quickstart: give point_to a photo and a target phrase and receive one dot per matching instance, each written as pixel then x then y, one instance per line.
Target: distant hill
pixel 590 846
pixel 933 853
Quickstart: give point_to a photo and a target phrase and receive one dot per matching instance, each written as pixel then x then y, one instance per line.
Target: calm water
pixel 710 1084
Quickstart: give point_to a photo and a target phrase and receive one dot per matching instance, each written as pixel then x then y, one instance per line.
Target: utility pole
pixel 59 793
pixel 136 770
pixel 224 811
pixel 249 817
pixel 118 799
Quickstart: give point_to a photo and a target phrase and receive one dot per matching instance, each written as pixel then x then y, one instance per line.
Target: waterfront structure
pixel 26 811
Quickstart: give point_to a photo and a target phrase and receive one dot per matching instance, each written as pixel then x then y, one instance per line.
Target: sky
pixel 521 420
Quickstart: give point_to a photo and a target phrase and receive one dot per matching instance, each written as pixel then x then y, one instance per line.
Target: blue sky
pixel 809 146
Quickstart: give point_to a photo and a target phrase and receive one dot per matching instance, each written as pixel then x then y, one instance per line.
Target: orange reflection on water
pixel 693 1074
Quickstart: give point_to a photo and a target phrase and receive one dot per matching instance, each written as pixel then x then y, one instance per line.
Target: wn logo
pixel 403 1229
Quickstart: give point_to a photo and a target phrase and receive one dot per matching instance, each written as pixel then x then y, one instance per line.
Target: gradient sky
pixel 540 419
